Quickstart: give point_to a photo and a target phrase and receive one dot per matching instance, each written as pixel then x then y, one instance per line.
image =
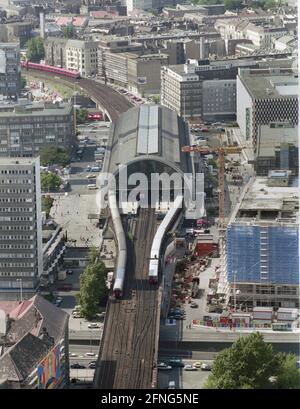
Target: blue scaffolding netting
pixel 244 253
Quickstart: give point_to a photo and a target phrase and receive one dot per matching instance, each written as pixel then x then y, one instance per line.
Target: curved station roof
pixel 148 133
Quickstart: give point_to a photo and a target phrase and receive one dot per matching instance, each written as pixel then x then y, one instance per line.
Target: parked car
pixel 69 272
pixel 176 363
pixel 94 325
pixel 197 364
pixel 164 367
pixel 92 365
pixel 77 366
pixel 72 354
pixel 171 385
pixel 90 354
pixel 190 368
pixel 205 367
pixel 194 305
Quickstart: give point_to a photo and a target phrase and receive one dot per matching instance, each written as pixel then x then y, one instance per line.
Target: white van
pixel 171 385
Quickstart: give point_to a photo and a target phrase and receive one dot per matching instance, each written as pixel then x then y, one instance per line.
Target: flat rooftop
pixel 271 204
pixel 263 85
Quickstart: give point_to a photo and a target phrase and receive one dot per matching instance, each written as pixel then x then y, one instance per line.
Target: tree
pixel 233 4
pixel 47 203
pixel 289 375
pixel 50 182
pixel 68 31
pixel 92 289
pixel 81 115
pixel 35 49
pixel 50 155
pixel 249 364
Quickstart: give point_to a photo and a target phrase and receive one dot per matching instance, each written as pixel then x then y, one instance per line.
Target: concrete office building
pixel 21 256
pixel 181 90
pixel 144 73
pixel 25 127
pixel 109 64
pixel 219 99
pixel 200 91
pixel 262 243
pixel 277 148
pixel 264 96
pixel 82 56
pixel 55 51
pixel 10 70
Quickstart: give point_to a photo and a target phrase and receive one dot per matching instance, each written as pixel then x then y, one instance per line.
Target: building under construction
pixel 261 253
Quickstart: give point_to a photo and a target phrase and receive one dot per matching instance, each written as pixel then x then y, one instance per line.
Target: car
pixel 59 298
pixel 92 365
pixel 77 366
pixel 194 305
pixel 91 176
pixel 164 368
pixel 197 364
pixel 204 129
pixel 190 368
pixel 69 272
pixel 77 315
pixel 171 385
pixel 205 367
pixel 57 302
pixel 94 325
pixel 176 363
pixel 96 169
pixel 90 354
pixel 72 354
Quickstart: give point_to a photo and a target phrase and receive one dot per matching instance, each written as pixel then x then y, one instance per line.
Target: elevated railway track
pixel 108 99
pixel 127 350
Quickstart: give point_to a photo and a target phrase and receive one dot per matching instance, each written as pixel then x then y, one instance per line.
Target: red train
pixel 49 68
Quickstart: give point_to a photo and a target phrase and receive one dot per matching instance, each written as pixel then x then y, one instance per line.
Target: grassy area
pixel 62 89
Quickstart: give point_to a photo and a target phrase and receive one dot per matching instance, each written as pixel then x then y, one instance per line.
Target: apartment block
pixel 264 96
pixel 10 70
pixel 26 127
pixel 21 257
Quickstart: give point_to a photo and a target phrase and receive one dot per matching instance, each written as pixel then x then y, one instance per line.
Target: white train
pixel 122 251
pixel 159 236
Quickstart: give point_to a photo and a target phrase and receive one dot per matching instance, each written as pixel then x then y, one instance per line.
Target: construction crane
pixel 221 151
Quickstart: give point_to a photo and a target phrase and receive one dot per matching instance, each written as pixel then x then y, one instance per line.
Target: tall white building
pixel 139 5
pixel 82 56
pixel 21 262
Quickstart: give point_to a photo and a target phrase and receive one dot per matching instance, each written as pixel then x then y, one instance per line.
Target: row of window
pixel 15 172
pixel 24 228
pixel 16 246
pixel 15 209
pixel 23 237
pixel 16 181
pixel 16 219
pixel 23 264
pixel 15 200
pixel 15 190
pixel 16 255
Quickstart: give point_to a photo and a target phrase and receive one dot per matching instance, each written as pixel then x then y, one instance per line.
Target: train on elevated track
pixel 49 68
pixel 165 225
pixel 154 264
pixel 122 250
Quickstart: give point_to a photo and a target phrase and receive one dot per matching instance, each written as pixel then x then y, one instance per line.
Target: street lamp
pixel 21 287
